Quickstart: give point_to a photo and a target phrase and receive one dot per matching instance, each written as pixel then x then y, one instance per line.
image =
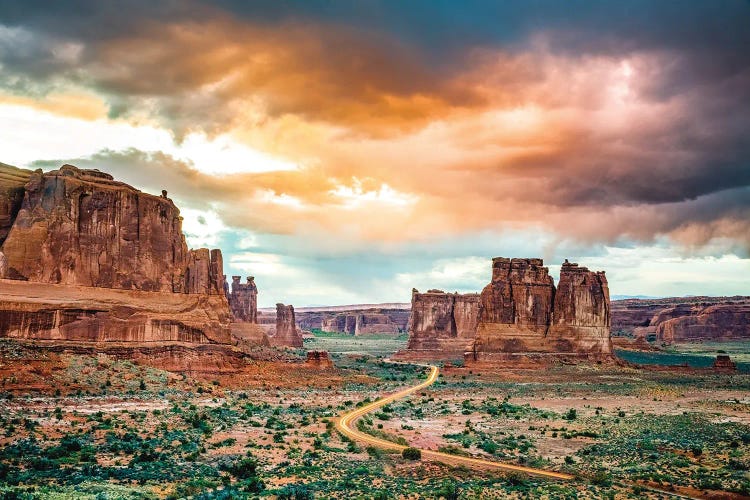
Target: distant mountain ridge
pixel 350 307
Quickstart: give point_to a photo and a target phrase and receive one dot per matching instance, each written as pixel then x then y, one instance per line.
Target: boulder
pixel 319 360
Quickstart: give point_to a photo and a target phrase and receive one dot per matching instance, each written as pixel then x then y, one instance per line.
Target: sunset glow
pixel 411 156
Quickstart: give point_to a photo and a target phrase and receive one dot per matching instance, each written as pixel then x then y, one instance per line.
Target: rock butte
pixel 519 317
pixel 90 261
pixel 287 333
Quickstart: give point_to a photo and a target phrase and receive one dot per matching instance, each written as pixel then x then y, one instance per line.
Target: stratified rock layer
pixel 581 314
pixel 91 259
pixel 516 307
pixel 442 325
pixel 519 313
pixel 287 333
pixel 682 319
pixel 717 322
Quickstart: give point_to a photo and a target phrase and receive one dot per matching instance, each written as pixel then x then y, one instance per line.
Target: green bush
pixel 412 453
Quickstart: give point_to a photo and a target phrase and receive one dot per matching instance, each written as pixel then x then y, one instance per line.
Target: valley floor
pixel 91 427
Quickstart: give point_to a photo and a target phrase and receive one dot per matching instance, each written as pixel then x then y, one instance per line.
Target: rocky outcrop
pixel 243 300
pixel 716 322
pixel 12 182
pixel 724 363
pixel 360 323
pixel 523 312
pixel 287 334
pixel 581 315
pixel 91 259
pixel 519 313
pixel 682 319
pixel 319 360
pixel 516 307
pixel 442 325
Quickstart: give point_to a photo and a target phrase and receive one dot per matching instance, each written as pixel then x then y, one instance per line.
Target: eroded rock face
pixel 678 319
pixel 715 322
pixel 12 182
pixel 442 325
pixel 91 259
pixel 287 333
pixel 81 227
pixel 519 313
pixel 356 321
pixel 516 307
pixel 243 300
pixel 581 314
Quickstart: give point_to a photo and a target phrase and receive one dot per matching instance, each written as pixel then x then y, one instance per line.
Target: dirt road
pixel 346 425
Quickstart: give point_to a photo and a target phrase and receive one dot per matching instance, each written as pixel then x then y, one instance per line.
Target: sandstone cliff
pixel 520 312
pixel 287 333
pixel 581 315
pixel 678 319
pixel 516 307
pixel 441 325
pixel 91 259
pixel 717 322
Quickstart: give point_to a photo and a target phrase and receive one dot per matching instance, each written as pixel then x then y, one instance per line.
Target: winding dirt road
pixel 345 425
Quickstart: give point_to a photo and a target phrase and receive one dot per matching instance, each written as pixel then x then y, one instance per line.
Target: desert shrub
pixel 244 468
pixel 489 446
pixel 601 478
pixel 448 490
pixel 411 453
pixel 295 492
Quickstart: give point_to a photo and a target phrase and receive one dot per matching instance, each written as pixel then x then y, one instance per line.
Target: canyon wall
pixel 353 320
pixel 89 259
pixel 681 319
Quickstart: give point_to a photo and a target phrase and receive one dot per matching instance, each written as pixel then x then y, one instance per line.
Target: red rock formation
pixel 319 360
pixel 95 260
pixel 287 333
pixel 354 321
pixel 678 319
pixel 581 316
pixel 715 322
pixel 516 307
pixel 724 363
pixel 243 300
pixel 442 325
pixel 518 314
pixel 12 182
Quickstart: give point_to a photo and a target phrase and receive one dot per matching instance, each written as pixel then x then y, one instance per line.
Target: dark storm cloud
pixel 664 151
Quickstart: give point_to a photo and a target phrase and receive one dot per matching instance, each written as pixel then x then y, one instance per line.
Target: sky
pixel 347 152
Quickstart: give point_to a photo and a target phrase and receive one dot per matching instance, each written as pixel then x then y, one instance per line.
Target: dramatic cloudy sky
pixel 345 152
